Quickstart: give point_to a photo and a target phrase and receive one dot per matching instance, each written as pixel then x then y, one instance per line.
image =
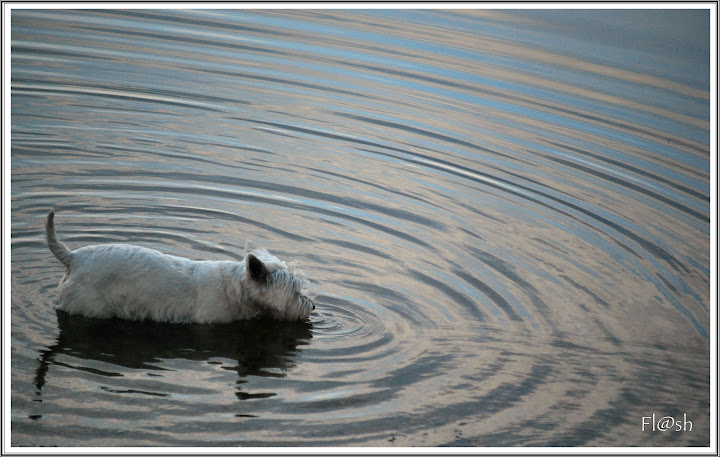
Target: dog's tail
pixel 58 248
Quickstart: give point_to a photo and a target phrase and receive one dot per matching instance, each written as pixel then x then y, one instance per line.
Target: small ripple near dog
pixel 132 282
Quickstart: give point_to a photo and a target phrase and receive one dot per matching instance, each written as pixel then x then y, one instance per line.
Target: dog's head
pixel 277 288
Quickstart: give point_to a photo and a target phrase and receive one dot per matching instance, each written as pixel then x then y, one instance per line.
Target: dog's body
pixel 132 282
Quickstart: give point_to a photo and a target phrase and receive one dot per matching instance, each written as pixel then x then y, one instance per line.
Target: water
pixel 505 216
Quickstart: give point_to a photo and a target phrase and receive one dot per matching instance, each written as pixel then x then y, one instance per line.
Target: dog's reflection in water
pixel 261 347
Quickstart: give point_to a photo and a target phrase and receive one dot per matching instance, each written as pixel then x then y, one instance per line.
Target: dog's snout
pixel 313 306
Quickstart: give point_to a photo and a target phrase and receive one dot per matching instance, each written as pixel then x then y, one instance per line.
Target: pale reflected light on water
pixel 505 216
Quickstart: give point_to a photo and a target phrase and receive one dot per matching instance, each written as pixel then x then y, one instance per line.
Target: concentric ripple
pixel 504 216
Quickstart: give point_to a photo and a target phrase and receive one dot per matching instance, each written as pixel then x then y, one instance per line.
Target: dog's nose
pixel 313 306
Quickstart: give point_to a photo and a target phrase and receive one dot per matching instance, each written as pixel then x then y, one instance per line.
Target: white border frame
pixel 7 448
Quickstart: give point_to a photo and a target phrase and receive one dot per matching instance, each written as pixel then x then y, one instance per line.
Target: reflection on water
pixel 250 348
pixel 505 216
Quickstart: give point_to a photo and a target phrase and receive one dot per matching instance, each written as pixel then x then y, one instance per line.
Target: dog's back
pixel 123 280
pixel 131 282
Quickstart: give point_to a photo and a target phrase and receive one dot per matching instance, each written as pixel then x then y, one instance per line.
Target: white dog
pixel 132 282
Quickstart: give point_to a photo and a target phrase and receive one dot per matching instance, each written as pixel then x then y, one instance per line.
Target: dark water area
pixel 505 217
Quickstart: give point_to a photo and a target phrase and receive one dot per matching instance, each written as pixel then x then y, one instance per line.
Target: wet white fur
pixel 132 282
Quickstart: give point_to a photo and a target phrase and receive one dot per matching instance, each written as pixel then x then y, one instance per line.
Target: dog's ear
pixel 257 269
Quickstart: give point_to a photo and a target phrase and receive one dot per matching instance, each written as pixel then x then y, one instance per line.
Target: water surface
pixel 505 216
